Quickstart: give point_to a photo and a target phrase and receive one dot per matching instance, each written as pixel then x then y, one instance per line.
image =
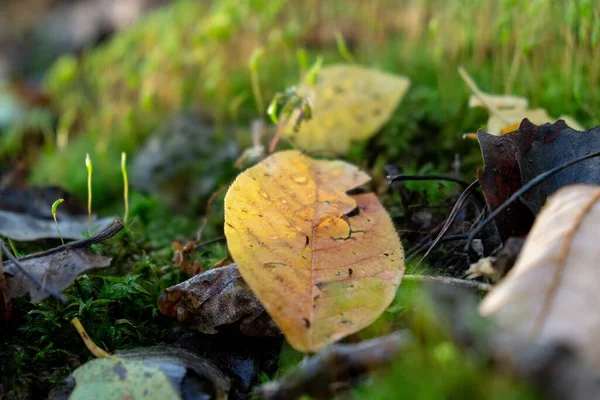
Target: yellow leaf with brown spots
pixel 349 103
pixel 323 263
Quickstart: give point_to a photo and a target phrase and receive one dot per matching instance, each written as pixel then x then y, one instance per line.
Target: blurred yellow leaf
pixel 324 264
pixel 349 103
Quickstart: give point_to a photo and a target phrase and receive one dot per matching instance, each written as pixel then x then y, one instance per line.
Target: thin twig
pixel 208 208
pixel 338 364
pixel 198 246
pixel 399 178
pixel 453 214
pixel 484 287
pixel 109 232
pixel 414 251
pixel 277 137
pixel 535 181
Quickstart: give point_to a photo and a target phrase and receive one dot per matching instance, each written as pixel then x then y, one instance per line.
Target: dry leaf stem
pixel 462 199
pixel 98 352
pixel 484 287
pixel 109 232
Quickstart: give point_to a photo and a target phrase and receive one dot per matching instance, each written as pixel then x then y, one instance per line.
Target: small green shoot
pixel 254 58
pixel 54 207
pixel 125 185
pixel 13 248
pixel 313 72
pixel 275 107
pixel 88 165
pixel 302 57
pixel 64 126
pixel 342 48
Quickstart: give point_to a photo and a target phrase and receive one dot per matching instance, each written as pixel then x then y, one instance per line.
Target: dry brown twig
pixel 335 367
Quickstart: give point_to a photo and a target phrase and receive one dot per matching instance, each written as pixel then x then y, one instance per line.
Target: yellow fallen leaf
pixel 324 264
pixel 349 103
pixel 550 296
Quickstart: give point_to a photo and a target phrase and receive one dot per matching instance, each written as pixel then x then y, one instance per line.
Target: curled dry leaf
pixel 57 268
pixel 323 263
pixel 214 298
pixel 56 271
pixel 511 110
pixel 349 103
pixel 516 158
pixel 550 294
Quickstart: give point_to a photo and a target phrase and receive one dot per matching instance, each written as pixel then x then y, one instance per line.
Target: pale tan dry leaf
pixel 501 102
pixel 572 123
pixel 511 110
pixel 496 125
pixel 551 294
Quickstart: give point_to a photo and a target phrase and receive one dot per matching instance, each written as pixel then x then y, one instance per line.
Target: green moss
pixel 116 305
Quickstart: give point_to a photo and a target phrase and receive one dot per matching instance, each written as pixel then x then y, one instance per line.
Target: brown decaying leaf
pixel 514 159
pixel 323 263
pixel 217 297
pixel 550 294
pixel 56 271
pixel 58 267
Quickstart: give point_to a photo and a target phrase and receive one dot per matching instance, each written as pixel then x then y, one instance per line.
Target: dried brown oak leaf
pixel 515 158
pixel 323 263
pixel 214 298
pixel 551 294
